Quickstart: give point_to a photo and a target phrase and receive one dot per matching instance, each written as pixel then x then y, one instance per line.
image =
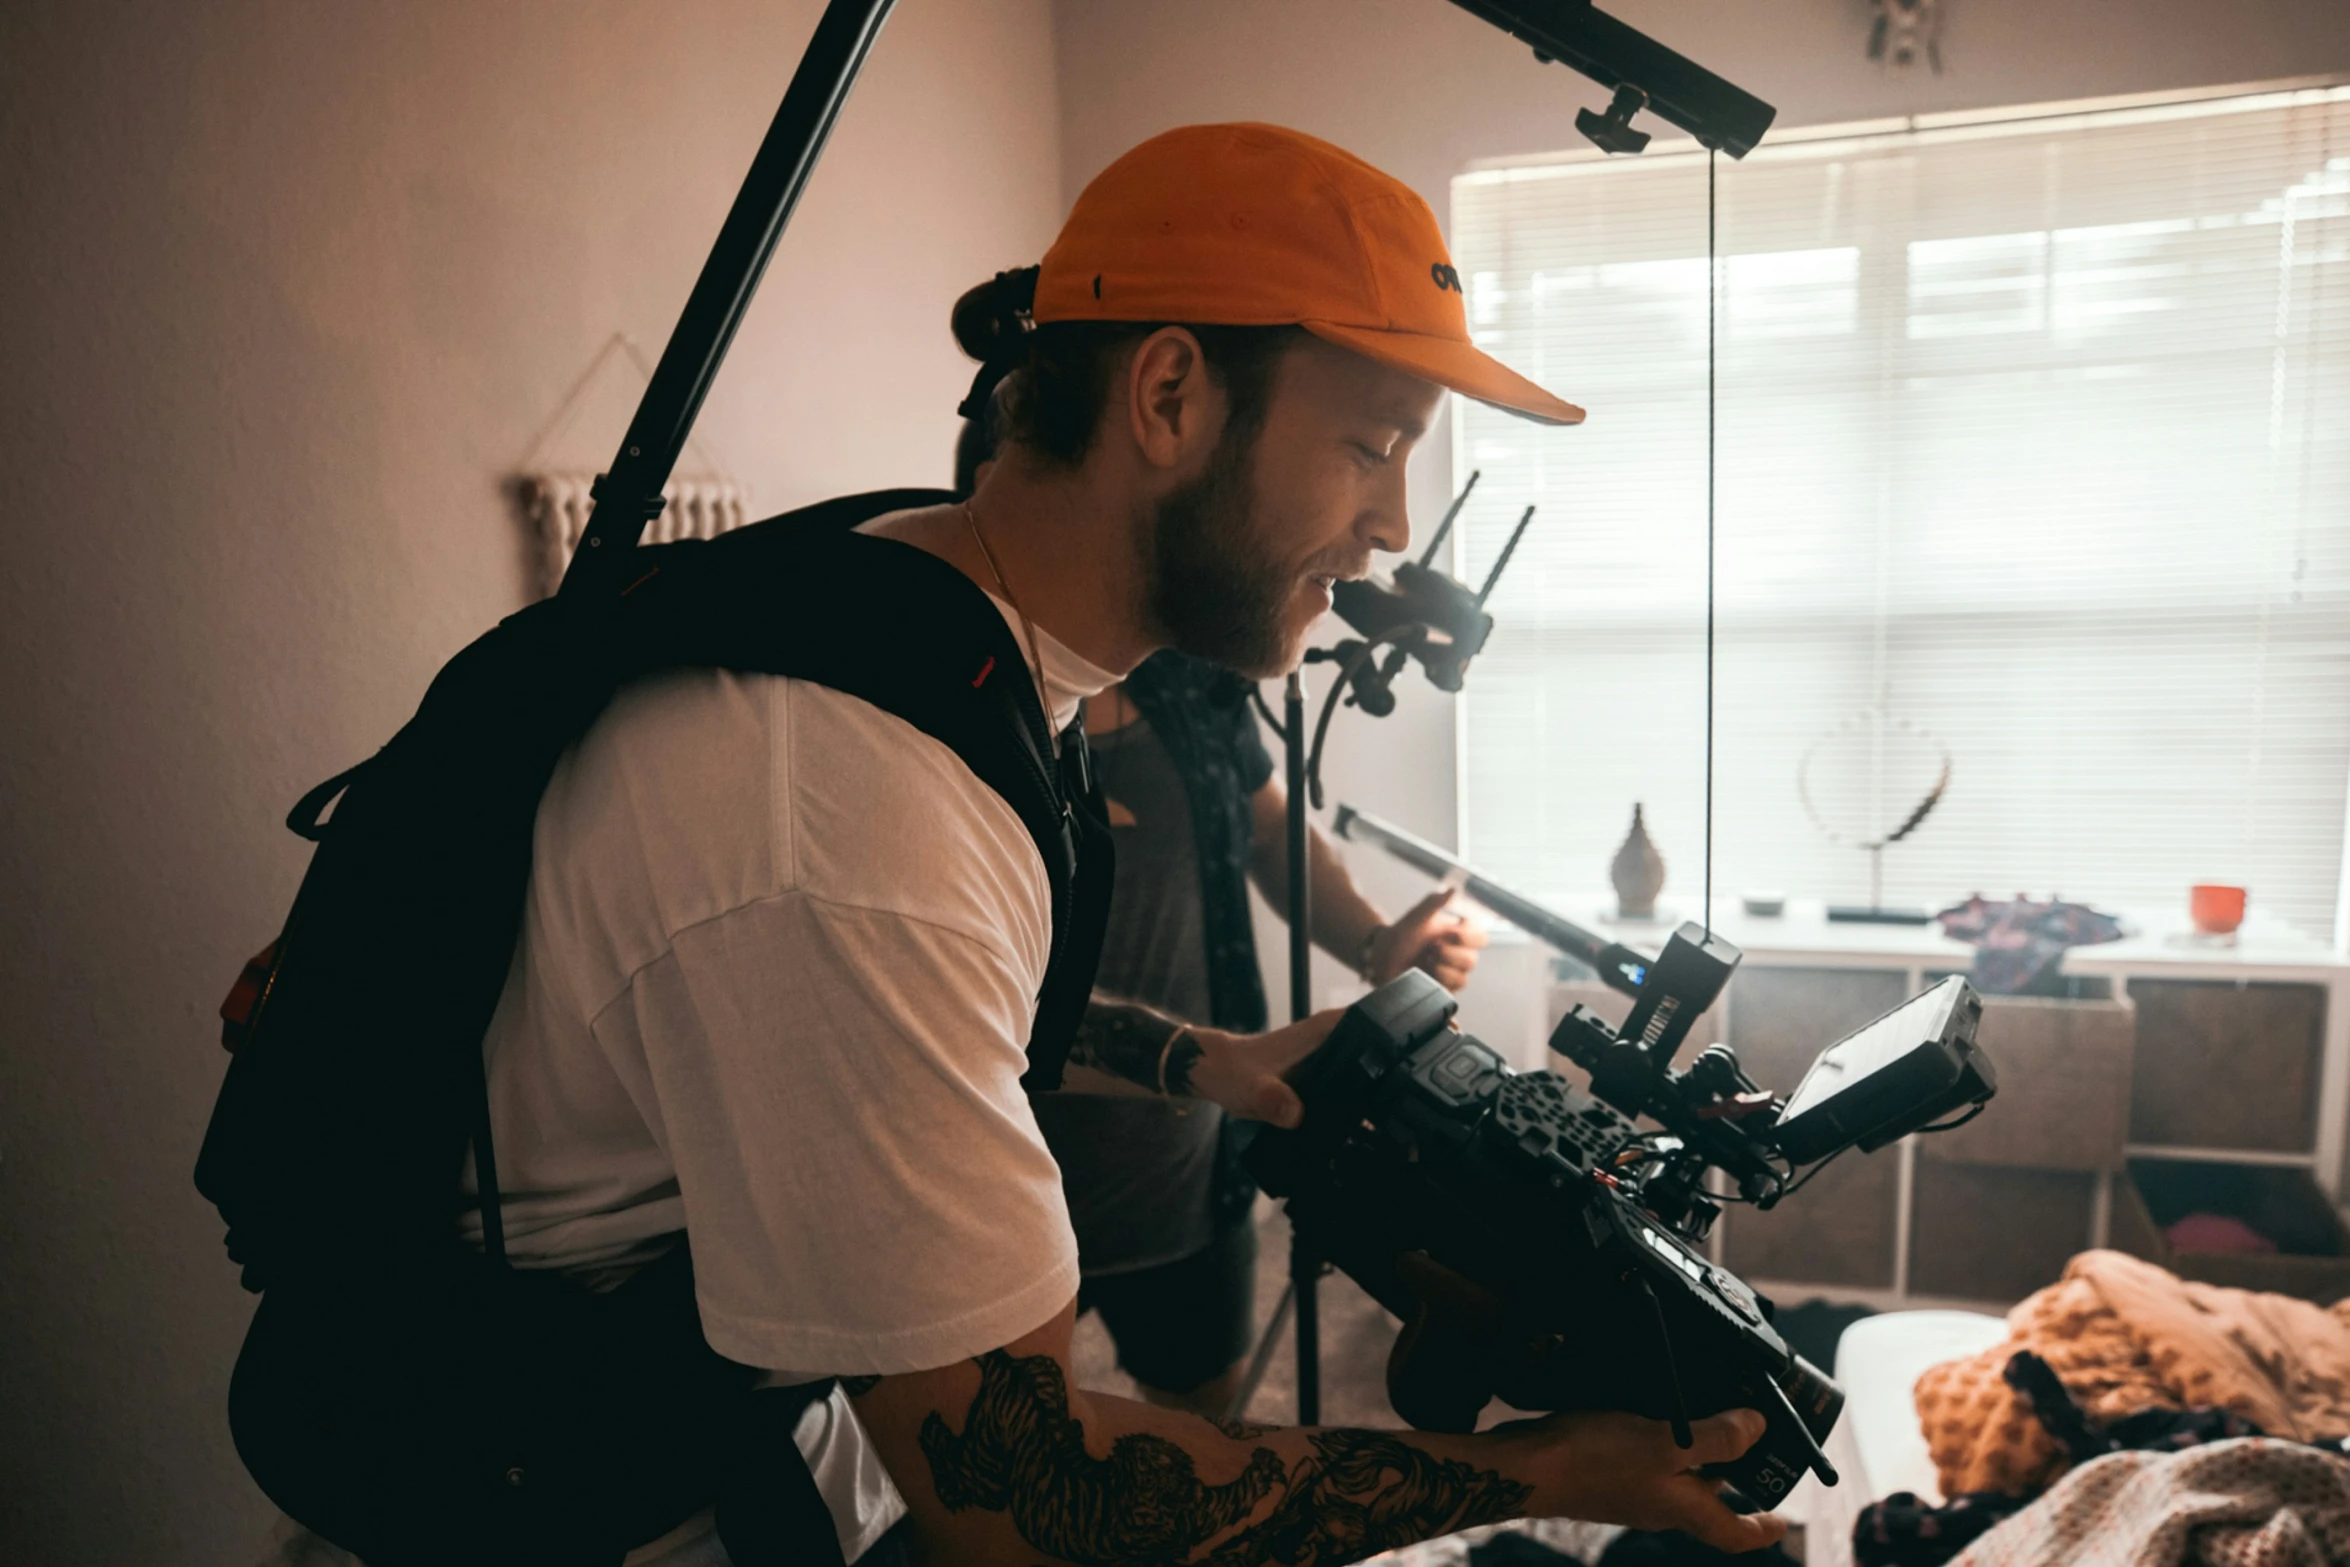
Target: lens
pixel 1815 1395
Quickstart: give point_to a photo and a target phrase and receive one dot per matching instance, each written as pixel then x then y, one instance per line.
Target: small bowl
pixel 1764 905
pixel 2216 910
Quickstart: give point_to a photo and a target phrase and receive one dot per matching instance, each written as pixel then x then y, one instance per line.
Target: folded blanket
pixel 2245 1503
pixel 2124 1336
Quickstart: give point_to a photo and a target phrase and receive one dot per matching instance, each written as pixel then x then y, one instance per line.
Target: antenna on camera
pixel 1444 528
pixel 1507 550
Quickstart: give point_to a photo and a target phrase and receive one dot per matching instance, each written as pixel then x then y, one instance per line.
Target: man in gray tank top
pixel 1161 1210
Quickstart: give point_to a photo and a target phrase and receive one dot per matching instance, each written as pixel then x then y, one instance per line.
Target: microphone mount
pixel 1643 74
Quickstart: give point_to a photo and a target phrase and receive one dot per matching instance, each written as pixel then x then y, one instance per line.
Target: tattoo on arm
pixel 1130 1042
pixel 1358 1493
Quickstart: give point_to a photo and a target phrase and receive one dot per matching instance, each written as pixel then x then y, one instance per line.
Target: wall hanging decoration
pixel 558 500
pixel 1905 32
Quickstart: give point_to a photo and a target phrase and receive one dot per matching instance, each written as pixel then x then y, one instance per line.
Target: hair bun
pixel 992 322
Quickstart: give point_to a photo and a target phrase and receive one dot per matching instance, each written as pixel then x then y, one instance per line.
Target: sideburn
pixel 1218 587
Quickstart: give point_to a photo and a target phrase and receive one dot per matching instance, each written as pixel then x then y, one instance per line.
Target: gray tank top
pixel 1140 1173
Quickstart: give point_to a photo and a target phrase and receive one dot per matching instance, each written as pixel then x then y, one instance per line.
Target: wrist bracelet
pixel 1167 1050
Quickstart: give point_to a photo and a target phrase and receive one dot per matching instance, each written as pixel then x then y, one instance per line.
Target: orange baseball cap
pixel 1256 225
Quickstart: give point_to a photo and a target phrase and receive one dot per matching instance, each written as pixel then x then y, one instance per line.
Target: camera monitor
pixel 1910 1067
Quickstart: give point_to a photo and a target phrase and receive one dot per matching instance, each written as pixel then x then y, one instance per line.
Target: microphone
pixel 1422 614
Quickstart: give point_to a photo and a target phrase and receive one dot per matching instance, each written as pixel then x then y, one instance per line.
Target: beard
pixel 1220 587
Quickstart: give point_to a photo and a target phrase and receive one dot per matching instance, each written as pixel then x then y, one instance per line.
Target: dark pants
pixel 1181 1324
pixel 891 1549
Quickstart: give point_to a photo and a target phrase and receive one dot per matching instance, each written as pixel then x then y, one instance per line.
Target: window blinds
pixel 2034 450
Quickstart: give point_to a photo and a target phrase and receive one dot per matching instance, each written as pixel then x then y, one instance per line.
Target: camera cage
pixel 1508 1217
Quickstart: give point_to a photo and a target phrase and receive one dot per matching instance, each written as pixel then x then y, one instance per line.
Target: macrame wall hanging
pixel 557 500
pixel 1906 33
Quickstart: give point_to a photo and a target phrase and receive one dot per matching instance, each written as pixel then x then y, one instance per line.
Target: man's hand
pixel 1430 937
pixel 1615 1468
pixel 1243 1072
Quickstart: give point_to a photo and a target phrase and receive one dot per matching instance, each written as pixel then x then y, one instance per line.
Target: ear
pixel 1173 406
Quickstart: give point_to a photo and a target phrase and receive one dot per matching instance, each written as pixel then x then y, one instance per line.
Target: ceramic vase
pixel 1638 872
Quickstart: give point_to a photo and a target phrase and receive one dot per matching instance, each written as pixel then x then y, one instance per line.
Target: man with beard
pixel 782 949
pixel 1163 1209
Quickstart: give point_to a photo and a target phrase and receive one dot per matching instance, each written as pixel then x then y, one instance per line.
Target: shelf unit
pixel 2242 1057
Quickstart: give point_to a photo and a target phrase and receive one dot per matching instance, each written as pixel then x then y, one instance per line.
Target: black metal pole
pixel 628 494
pixel 1305 1270
pixel 1581 36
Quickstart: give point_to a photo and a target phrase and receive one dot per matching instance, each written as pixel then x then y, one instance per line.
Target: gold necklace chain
pixel 1027 626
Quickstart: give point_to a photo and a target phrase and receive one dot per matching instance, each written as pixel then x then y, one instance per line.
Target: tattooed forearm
pixel 1364 1492
pixel 1358 1493
pixel 1136 1044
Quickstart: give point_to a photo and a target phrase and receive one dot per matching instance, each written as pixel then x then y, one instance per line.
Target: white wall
pixel 1422 88
pixel 288 290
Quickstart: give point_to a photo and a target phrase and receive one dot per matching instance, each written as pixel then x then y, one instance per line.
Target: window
pixel 2034 450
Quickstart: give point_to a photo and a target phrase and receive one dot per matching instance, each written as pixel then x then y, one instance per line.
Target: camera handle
pixel 1442 1370
pixel 1683 1436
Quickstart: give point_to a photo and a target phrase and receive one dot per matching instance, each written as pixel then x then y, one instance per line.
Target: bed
pixel 1877 1447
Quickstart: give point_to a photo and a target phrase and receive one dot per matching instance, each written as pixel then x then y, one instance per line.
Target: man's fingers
pixel 1703 1515
pixel 1720 1438
pixel 1278 1104
pixel 1425 910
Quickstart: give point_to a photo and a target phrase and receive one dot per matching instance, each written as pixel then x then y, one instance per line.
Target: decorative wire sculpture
pixel 1874 842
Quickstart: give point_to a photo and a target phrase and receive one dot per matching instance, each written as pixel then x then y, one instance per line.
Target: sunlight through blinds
pixel 2034 451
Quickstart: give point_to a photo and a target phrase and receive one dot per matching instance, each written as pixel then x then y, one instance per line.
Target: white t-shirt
pixel 777 974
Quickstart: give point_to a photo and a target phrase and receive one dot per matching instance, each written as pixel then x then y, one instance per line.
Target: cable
pixel 1952 1126
pixel 1338 689
pixel 1256 694
pixel 1712 311
pixel 1804 1180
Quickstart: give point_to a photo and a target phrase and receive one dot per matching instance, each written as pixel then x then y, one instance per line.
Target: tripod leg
pixel 1305 1278
pixel 1258 1362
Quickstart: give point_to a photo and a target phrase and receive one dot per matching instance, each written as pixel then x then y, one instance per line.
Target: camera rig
pixel 1541 1241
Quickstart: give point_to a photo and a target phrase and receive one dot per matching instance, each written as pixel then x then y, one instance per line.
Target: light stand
pixel 628 494
pixel 1305 1269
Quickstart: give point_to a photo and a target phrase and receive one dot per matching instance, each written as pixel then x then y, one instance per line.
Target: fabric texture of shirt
pixel 1203 716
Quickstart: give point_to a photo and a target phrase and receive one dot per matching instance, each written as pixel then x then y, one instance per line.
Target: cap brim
pixel 1461 367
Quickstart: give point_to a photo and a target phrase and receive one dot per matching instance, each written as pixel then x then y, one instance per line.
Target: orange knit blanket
pixel 2125 1335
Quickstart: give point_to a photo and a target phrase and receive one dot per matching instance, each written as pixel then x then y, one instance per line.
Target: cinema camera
pixel 1541 1242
